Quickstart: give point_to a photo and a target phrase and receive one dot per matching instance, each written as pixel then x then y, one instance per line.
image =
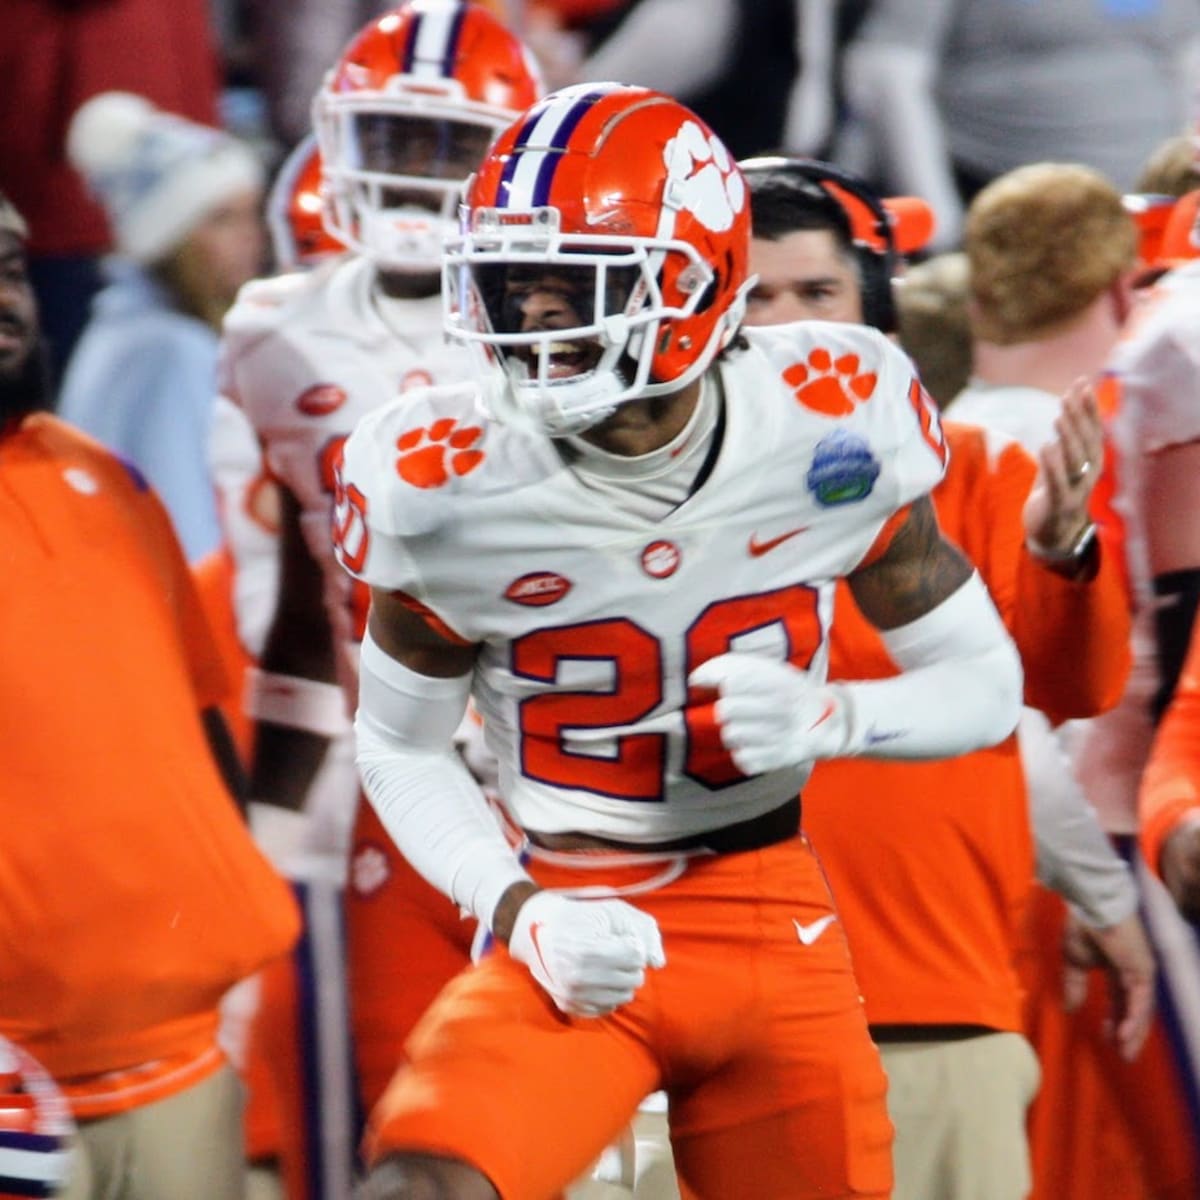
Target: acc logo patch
pixel 321 399
pixel 843 469
pixel 538 588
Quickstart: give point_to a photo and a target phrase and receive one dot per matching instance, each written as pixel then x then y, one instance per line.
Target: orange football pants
pixel 776 1090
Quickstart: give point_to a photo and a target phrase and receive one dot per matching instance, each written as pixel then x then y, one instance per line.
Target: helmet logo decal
pixel 702 179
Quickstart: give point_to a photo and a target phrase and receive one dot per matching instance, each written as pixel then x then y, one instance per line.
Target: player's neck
pixel 400 285
pixel 689 442
pixel 650 486
pixel 642 426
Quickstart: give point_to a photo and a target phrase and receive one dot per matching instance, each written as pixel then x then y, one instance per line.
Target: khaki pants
pixel 186 1147
pixel 959 1111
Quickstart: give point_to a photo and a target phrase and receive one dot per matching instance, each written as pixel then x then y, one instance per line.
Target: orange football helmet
pixel 294 211
pixel 631 199
pixel 35 1128
pixel 405 116
pixel 1180 237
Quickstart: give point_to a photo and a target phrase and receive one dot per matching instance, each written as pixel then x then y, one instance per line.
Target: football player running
pixel 626 555
pixel 402 119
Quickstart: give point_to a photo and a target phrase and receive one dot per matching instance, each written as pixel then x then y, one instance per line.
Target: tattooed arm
pixel 917 571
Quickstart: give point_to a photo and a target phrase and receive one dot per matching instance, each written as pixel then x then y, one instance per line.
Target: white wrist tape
pixel 959 690
pixel 429 804
pixel 296 703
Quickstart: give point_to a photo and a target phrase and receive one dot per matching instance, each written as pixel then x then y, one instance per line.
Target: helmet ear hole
pixel 708 295
pixel 695 278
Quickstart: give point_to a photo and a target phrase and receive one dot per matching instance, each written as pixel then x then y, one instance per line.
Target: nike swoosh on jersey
pixel 757 548
pixel 809 933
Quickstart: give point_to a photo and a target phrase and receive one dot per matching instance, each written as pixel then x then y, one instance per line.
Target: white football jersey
pixel 590 618
pixel 1157 366
pixel 306 356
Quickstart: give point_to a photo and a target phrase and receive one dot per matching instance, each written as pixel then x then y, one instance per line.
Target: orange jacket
pixel 131 893
pixel 931 863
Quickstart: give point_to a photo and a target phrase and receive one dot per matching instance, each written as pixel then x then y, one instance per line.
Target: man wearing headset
pixel 932 870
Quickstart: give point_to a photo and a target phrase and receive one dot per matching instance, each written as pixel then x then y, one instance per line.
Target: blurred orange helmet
pixel 405 116
pixel 1180 239
pixel 294 211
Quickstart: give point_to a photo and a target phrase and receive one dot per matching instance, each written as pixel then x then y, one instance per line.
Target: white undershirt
pixel 651 485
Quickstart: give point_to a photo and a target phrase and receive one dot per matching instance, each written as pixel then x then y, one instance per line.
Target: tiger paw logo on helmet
pixel 702 179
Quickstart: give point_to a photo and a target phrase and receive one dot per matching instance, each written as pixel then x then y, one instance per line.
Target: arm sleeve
pixel 1074 857
pixel 427 801
pixel 1073 636
pixel 959 688
pixel 809 116
pixel 248 506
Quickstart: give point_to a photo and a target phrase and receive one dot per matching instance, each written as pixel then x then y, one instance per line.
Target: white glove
pixel 589 955
pixel 772 715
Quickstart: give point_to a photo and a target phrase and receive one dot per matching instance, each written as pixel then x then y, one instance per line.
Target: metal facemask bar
pixel 498 239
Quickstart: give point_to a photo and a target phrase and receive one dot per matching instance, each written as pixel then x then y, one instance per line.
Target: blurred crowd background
pixel 930 99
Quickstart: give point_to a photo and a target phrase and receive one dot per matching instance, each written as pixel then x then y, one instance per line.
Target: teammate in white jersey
pixel 402 119
pixel 627 558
